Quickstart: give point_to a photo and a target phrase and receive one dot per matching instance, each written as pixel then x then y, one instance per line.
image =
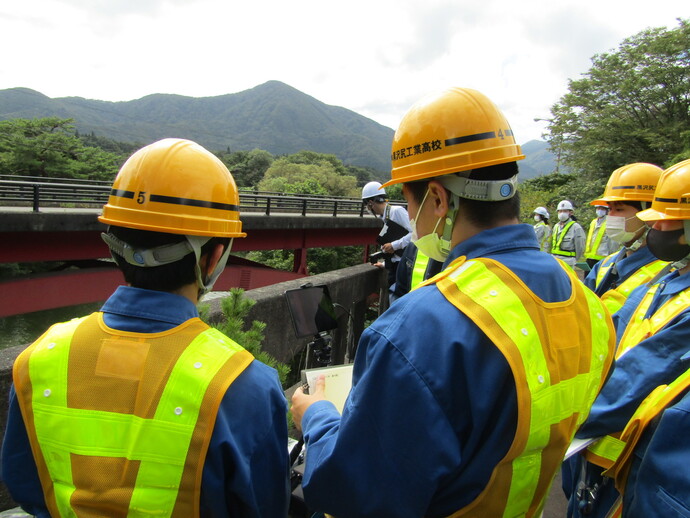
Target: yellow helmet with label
pixel 178 187
pixel 632 182
pixel 456 130
pixel 672 195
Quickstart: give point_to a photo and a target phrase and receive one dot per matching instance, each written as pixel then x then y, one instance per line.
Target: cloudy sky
pixel 373 57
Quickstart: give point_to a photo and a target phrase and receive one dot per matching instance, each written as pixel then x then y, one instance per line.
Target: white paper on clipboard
pixel 338 382
pixel 578 445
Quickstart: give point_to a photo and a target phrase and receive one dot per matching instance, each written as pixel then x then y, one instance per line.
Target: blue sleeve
pixel 246 472
pixel 19 472
pixel 658 360
pixel 372 454
pixel 659 480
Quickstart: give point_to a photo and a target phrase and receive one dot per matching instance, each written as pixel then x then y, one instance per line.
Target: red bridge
pixel 73 236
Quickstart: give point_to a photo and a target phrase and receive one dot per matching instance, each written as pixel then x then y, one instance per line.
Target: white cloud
pixel 376 58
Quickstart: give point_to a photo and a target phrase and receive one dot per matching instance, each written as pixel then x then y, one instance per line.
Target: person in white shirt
pixel 396 221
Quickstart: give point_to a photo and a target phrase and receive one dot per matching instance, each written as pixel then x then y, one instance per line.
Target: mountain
pixel 538 160
pixel 272 116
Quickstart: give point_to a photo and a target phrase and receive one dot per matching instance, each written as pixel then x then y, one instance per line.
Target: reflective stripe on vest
pixel 419 269
pixel 592 248
pixel 156 448
pixel 554 393
pixel 639 328
pixel 557 239
pixel 655 403
pixel 616 297
pixel 604 267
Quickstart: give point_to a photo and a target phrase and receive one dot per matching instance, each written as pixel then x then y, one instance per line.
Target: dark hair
pixel 167 277
pixel 483 214
pixel 375 199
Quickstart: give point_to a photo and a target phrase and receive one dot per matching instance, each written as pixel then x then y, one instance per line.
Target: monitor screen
pixel 311 310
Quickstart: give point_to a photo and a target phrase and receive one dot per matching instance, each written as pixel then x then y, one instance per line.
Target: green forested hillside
pixel 272 116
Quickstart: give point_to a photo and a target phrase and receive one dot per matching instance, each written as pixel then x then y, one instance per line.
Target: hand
pixel 302 401
pixel 388 248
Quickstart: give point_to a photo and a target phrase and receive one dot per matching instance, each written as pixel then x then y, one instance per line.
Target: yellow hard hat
pixel 458 129
pixel 632 182
pixel 177 187
pixel 672 196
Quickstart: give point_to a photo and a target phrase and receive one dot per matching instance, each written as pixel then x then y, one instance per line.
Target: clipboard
pixel 338 382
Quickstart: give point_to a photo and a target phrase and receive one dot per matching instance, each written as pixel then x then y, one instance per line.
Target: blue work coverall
pixel 246 468
pixel 625 267
pixel 657 360
pixel 432 408
pixel 659 479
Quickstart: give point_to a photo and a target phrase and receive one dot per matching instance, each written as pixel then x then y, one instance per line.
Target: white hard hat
pixel 372 189
pixel 542 212
pixel 565 205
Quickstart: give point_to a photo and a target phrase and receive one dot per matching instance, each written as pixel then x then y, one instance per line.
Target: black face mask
pixel 665 245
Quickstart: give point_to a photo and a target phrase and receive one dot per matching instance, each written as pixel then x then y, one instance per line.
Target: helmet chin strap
pixel 679 265
pixel 205 286
pixel 637 243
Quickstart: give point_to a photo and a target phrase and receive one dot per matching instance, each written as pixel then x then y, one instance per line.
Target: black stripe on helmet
pixel 470 138
pixel 193 203
pixel 120 193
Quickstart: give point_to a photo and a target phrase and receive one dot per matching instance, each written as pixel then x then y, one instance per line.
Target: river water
pixel 24 329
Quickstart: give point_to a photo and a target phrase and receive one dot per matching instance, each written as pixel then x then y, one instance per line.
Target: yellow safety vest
pixel 119 422
pixel 618 453
pixel 594 240
pixel 559 354
pixel 655 403
pixel 557 239
pixel 616 297
pixel 639 328
pixel 606 450
pixel 419 269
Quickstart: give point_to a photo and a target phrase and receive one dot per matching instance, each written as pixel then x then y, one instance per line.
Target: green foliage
pixel 631 106
pixel 548 190
pixel 247 167
pixel 235 309
pixel 308 172
pixel 49 148
pixel 319 260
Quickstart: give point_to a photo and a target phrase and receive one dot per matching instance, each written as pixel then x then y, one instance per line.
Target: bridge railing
pixel 57 192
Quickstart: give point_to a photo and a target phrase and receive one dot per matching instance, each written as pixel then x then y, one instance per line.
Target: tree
pixel 633 105
pixel 247 167
pixel 308 172
pixel 48 147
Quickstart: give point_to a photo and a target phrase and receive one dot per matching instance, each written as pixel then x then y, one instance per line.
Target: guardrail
pixel 43 192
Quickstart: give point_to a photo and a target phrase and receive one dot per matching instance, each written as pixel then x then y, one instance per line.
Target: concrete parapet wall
pixel 349 288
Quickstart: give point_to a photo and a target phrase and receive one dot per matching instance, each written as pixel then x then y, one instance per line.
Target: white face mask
pixel 601 213
pixel 615 229
pixel 537 218
pixel 431 244
pixel 563 216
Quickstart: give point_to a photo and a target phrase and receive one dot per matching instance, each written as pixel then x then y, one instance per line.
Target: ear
pixel 438 198
pixel 209 262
